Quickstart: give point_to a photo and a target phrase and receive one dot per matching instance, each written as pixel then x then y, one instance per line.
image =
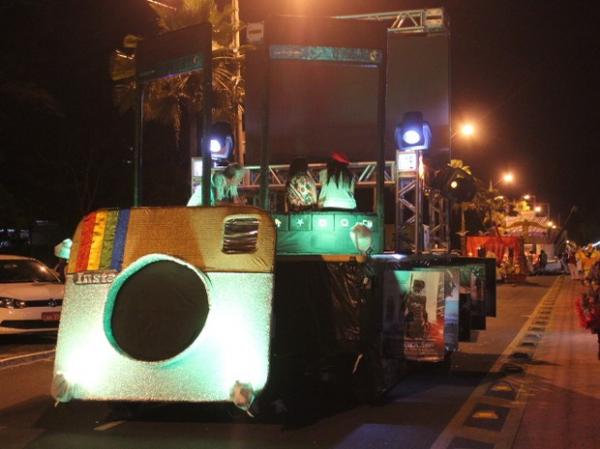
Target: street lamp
pixel 508 178
pixel 467 129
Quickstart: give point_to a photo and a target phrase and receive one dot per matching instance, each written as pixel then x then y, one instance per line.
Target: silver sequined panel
pixel 233 346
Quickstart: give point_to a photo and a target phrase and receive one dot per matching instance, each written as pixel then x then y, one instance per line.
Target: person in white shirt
pixel 223 188
pixel 337 184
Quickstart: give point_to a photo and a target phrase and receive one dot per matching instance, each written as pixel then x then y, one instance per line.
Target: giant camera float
pixel 233 303
pixel 167 304
pixel 178 304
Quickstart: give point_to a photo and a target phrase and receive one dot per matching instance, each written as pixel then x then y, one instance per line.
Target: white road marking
pixel 23 359
pixel 108 426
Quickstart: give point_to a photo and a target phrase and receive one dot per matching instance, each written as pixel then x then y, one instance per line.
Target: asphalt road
pixel 17 345
pixel 413 416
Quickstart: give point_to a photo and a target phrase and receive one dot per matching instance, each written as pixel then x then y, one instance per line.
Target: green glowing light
pixel 324 232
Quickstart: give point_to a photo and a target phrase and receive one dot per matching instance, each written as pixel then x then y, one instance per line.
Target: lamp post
pixel 466 130
pixel 507 178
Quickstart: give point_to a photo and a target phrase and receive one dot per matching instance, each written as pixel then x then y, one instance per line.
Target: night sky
pixel 525 71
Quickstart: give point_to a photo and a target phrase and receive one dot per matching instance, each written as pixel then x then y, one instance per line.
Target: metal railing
pixel 408 21
pixel 365 174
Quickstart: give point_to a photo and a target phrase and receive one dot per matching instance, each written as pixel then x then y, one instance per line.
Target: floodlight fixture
pixel 221 141
pixel 411 136
pixel 215 146
pixel 413 133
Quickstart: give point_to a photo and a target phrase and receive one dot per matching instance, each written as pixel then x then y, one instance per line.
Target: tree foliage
pixel 168 99
pixel 490 206
pixel 457 163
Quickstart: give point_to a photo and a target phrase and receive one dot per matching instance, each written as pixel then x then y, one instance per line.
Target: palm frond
pixel 165 98
pixel 457 163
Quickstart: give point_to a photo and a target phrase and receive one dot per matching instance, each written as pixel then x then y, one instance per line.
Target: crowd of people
pixel 336 193
pixel 584 265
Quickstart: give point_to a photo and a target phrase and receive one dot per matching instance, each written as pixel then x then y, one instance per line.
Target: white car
pixel 31 296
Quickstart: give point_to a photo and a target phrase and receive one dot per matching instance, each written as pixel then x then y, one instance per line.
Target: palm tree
pixel 490 206
pixel 459 164
pixel 167 100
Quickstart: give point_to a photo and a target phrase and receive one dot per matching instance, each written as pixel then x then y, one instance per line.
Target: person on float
pixel 301 188
pixel 223 187
pixel 337 184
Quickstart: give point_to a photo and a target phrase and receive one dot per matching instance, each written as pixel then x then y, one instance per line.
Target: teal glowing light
pixel 233 346
pixel 335 54
pixel 172 67
pixel 325 233
pixel 85 368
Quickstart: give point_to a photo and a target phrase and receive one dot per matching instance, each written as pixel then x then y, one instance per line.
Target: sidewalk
pixel 562 409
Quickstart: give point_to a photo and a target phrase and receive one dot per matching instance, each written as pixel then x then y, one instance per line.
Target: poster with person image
pixel 451 301
pixel 472 287
pixel 414 313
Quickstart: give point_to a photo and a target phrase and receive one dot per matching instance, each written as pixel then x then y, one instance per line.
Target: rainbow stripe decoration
pixel 100 241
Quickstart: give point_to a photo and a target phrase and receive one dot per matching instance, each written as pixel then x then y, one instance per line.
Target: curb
pixel 26 358
pixel 491 415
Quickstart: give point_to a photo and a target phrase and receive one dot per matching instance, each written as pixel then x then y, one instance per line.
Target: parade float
pixel 231 303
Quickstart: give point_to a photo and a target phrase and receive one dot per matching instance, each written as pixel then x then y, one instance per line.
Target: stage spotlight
pixel 221 142
pixel 413 133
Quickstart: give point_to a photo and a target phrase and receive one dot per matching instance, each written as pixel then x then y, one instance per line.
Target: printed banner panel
pixel 451 294
pixel 472 286
pixel 414 312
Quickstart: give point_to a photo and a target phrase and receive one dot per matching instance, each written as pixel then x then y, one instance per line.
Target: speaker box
pixel 167 304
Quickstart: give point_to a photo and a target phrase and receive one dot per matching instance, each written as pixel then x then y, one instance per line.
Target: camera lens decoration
pixel 158 310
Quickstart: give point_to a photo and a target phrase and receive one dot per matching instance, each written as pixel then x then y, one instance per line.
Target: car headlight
pixel 11 303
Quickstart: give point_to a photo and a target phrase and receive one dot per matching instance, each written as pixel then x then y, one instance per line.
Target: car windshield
pixel 25 271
